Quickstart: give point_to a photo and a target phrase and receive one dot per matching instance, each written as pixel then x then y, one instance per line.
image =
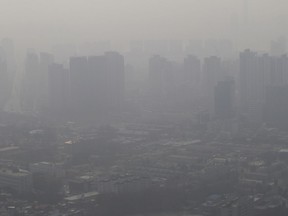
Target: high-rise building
pixel 224 97
pixel 8 71
pixel 257 72
pixel 172 86
pixel 97 86
pixel 278 75
pixel 79 87
pixel 254 76
pixel 59 91
pixel 35 95
pixel 276 106
pixel 8 48
pixel 5 84
pixel 45 60
pixel 191 81
pixel 116 80
pixel 31 83
pixel 161 81
pixel 211 76
pixel 157 69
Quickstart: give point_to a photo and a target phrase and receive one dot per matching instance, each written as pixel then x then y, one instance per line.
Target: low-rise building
pixel 51 169
pixel 16 179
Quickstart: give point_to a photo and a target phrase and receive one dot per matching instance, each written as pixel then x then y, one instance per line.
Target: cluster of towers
pixel 253 87
pixel 89 89
pixel 191 84
pixel 93 88
pixel 263 83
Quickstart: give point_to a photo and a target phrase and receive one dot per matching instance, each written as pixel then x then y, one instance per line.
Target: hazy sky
pixel 42 22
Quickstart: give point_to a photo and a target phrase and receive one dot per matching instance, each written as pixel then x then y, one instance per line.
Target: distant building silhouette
pixel 224 99
pixel 97 86
pixel 157 71
pixel 256 73
pixel 279 71
pixel 79 82
pixel 211 76
pixel 45 60
pixel 252 82
pixel 59 92
pixel 31 83
pixel 8 71
pixel 276 106
pixel 116 80
pixel 5 84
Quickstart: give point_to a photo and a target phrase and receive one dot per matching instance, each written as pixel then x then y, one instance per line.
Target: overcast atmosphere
pixel 143 108
pixel 44 22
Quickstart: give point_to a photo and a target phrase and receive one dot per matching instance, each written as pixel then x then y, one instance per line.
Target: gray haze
pixel 143 107
pixel 35 23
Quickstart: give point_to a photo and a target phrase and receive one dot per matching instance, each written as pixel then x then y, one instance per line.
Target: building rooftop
pixel 14 172
pixel 82 196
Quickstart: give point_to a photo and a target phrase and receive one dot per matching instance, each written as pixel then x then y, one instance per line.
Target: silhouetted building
pixel 157 72
pixel 253 78
pixel 174 87
pixel 116 80
pixel 59 91
pixel 190 85
pixel 211 74
pixel 279 71
pixel 9 59
pixel 107 85
pixel 79 87
pixel 276 106
pixel 45 60
pixel 224 99
pixel 5 84
pixel 15 179
pixel 97 87
pixel 31 83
